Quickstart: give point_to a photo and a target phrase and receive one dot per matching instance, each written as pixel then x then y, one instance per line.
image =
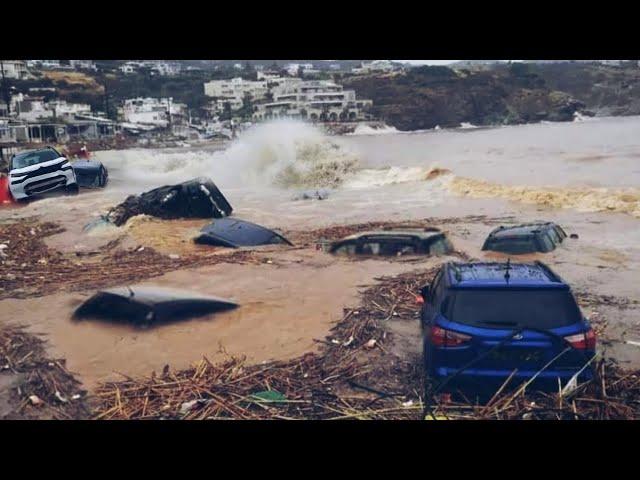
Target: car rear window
pixel 507 308
pixel 514 245
pixel 27 159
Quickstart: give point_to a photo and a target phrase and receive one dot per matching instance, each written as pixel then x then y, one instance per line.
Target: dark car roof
pixel 417 234
pixel 523 230
pixel 492 274
pixel 142 304
pixel 233 232
pixel 86 164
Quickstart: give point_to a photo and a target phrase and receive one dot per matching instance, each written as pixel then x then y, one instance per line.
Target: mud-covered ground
pixel 583 176
pixel 293 302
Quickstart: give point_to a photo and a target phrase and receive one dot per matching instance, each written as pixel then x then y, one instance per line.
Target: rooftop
pixel 492 274
pixel 394 233
pixel 524 230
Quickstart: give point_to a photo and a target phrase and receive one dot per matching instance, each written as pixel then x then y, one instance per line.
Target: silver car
pixel 38 171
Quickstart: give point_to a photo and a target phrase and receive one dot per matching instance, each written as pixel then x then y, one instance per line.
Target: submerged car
pixel 38 171
pixel 393 243
pixel 234 233
pixel 146 305
pixel 525 238
pixel 483 322
pixel 90 173
pixel 197 198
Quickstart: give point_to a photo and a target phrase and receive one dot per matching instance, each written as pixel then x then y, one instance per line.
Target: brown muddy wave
pixel 625 200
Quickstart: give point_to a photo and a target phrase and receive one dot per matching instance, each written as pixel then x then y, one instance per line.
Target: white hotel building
pixel 314 100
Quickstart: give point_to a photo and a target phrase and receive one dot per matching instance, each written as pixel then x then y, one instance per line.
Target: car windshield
pixel 440 247
pixel 27 159
pixel 509 308
pixel 513 245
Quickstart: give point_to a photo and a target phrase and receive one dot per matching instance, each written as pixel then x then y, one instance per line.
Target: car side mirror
pixel 424 292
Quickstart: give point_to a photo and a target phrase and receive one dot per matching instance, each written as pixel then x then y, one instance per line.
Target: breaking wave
pixel 392 175
pixel 364 129
pixel 580 199
pixel 283 153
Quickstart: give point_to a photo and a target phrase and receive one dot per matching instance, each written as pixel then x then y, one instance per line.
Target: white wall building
pixel 83 65
pixel 314 100
pixel 14 69
pixel 293 68
pixel 156 112
pixel 236 88
pixel 61 108
pixel 377 66
pixel 157 67
pixel 31 109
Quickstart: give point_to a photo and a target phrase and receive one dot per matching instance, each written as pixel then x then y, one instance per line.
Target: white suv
pixel 37 171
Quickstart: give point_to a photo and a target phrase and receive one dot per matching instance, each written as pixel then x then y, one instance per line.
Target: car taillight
pixel 583 341
pixel 446 338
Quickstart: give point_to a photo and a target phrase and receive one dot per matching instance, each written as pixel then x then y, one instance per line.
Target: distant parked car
pixel 483 322
pixel 525 238
pixel 393 243
pixel 90 173
pixel 38 171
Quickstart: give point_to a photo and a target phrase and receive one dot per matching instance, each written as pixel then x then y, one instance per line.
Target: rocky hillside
pixel 428 96
pixel 605 90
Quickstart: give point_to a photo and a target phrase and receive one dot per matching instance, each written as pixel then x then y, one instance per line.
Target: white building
pixel 165 68
pixel 156 112
pixel 30 109
pixel 83 65
pixel 236 88
pixel 62 108
pixel 377 66
pixel 314 100
pixel 14 69
pixel 293 68
pixel 217 107
pixel 130 67
pixel 156 67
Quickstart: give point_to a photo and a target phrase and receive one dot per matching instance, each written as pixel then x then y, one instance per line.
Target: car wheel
pixel 72 189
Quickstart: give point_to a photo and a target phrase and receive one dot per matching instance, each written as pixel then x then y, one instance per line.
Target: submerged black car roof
pixel 396 233
pixel 147 304
pixel 522 230
pixel 233 232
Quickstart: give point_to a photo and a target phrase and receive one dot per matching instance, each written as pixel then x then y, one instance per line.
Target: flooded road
pixel 583 175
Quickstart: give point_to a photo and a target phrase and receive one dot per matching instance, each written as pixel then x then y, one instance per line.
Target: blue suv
pixel 483 322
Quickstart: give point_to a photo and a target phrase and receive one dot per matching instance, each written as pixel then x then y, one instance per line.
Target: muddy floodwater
pixel 583 175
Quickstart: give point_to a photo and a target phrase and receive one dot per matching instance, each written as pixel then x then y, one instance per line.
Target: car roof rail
pixel 456 271
pixel 552 275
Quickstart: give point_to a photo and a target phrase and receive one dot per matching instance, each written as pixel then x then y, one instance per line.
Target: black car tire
pixel 72 189
pixel 103 177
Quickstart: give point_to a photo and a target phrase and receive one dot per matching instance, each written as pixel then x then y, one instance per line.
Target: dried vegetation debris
pixel 43 388
pixel 355 375
pixel 31 269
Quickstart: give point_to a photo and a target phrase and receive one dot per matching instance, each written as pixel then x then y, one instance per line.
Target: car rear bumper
pixel 493 379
